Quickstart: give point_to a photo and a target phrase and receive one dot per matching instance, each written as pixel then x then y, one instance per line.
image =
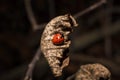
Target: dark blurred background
pixel 96 40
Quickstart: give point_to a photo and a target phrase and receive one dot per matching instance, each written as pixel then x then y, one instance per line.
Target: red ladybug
pixel 58 39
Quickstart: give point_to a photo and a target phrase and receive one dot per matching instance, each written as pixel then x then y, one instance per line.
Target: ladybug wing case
pixel 55 43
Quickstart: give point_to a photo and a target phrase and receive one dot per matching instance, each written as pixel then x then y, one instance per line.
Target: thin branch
pixel 30 14
pixel 90 8
pixel 87 39
pixel 71 77
pixel 31 66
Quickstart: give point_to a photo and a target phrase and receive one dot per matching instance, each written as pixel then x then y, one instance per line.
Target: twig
pixel 30 14
pixel 31 66
pixel 87 39
pixel 90 8
pixel 71 77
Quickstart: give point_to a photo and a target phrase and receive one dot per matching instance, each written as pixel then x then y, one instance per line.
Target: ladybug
pixel 58 39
